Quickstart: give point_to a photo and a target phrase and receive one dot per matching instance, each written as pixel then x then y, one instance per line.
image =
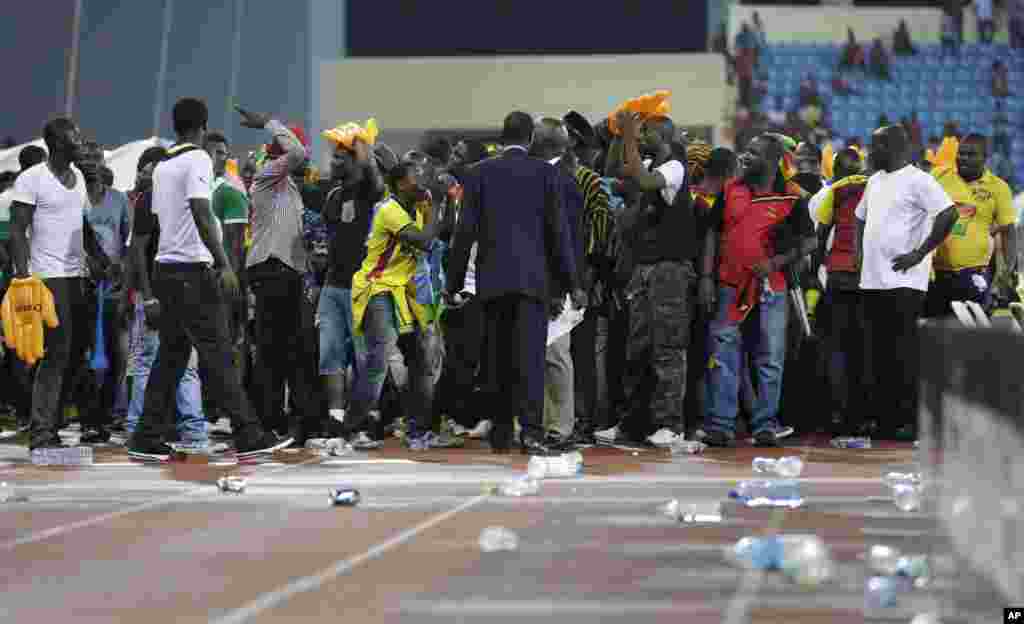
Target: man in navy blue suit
pixel 513 209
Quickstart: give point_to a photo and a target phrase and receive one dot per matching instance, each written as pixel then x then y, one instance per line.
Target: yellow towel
pixel 27 305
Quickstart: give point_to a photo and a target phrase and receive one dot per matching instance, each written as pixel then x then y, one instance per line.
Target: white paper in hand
pixel 566 321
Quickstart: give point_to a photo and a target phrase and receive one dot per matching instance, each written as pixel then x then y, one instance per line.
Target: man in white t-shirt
pixel 902 217
pixel 191 278
pixel 51 199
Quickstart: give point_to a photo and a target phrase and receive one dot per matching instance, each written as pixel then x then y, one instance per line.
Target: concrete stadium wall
pixel 411 95
pixel 828 24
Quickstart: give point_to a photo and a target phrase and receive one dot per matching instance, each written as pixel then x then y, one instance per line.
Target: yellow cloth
pixel 945 156
pixel 826 209
pixel 828 157
pixel 28 304
pixel 345 134
pixel 985 202
pixel 648 105
pixel 389 267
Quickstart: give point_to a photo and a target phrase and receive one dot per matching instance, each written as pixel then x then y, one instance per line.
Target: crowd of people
pixel 414 294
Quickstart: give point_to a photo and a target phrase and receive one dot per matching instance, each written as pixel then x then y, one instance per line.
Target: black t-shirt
pixel 146 223
pixel 348 237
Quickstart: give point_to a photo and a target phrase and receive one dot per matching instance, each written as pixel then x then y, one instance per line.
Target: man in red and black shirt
pixel 764 227
pixel 844 327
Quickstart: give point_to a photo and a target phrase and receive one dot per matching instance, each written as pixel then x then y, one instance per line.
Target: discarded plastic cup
pixel 688 447
pixel 233 484
pixel 788 467
pixel 498 539
pixel 907 496
pixel 705 511
pixel 345 497
pixel 521 486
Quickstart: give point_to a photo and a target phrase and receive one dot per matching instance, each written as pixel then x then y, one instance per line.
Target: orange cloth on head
pixel 945 156
pixel 27 305
pixel 647 105
pixel 345 134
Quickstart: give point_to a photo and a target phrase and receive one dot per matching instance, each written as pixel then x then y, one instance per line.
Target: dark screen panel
pixel 413 28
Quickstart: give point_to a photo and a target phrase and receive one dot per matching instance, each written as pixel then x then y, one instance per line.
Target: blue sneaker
pixel 418 442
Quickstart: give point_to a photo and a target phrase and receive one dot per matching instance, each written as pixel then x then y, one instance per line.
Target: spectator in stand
pixel 1000 80
pixel 809 91
pixel 841 86
pixel 902 217
pixel 1016 13
pixel 901 42
pixel 845 327
pixel 852 56
pixel 985 210
pixel 746 62
pixel 880 61
pixel 986 21
pixel 760 36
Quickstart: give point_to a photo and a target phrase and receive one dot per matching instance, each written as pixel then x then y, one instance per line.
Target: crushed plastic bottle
pixel 521 486
pixel 688 447
pixel 893 478
pixel 344 497
pixel 498 539
pixel 926 618
pixel 883 559
pixel 882 592
pixel 768 493
pixel 803 558
pixel 6 493
pixel 233 484
pixel 788 467
pixel 706 511
pixel 558 467
pixel 907 496
pixel 851 443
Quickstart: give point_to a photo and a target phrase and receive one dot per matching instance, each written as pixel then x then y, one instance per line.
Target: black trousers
pixel 892 339
pixel 517 329
pixel 583 347
pixel 280 345
pixel 847 353
pixel 65 347
pixel 192 315
pixel 463 340
pixel 99 407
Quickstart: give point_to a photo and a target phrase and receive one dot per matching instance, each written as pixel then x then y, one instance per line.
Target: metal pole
pixel 161 76
pixel 236 67
pixel 72 77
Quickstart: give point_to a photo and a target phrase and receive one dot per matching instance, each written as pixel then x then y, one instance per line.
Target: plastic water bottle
pixel 498 539
pixel 891 479
pixel 907 496
pixel 883 559
pixel 756 553
pixel 559 467
pixel 768 493
pixel 6 492
pixel 788 467
pixel 688 447
pixel 703 511
pixel 882 592
pixel 522 486
pixel 803 558
pixel 851 443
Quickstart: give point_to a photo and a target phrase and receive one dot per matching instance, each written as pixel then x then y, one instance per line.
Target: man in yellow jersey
pixel 986 210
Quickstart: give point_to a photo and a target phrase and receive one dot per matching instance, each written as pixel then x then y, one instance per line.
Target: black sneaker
pixel 766 439
pixel 718 439
pixel 149 451
pixel 263 446
pixel 95 436
pixel 53 442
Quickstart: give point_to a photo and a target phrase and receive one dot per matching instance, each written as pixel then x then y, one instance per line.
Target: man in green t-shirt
pixel 230 205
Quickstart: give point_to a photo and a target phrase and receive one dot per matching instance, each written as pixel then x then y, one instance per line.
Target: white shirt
pixel 674 173
pixel 899 209
pixel 57 247
pixel 176 181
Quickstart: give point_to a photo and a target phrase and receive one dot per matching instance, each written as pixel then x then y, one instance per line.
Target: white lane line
pixel 277 596
pixel 64 529
pixel 544 608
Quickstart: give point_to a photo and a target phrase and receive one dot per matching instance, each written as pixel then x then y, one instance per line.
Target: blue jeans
pixel 339 348
pixel 191 421
pixel 763 336
pixel 414 359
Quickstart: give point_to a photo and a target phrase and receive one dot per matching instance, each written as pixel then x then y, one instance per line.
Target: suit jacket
pixel 513 207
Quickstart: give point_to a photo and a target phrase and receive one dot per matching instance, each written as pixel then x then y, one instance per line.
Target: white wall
pixel 828 24
pixel 418 94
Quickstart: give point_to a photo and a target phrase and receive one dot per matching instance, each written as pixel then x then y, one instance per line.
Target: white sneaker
pixel 221 427
pixel 456 429
pixel 482 430
pixel 663 438
pixel 363 442
pixel 607 436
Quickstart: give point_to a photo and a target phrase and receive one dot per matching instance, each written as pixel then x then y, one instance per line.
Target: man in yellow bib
pixel 986 211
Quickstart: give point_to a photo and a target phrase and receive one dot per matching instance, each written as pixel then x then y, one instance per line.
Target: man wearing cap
pixel 274 268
